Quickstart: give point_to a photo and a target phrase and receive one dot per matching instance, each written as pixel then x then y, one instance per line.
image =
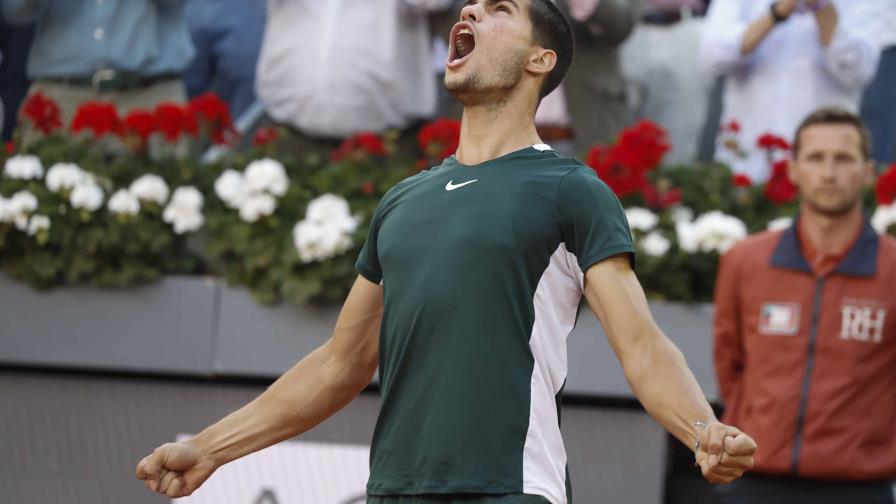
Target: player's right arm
pixel 311 391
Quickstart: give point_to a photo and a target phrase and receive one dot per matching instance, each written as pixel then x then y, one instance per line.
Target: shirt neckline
pixel 540 147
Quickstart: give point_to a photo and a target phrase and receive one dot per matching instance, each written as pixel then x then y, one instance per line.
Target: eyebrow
pixel 492 2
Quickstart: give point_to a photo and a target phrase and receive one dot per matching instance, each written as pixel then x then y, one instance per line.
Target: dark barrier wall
pixel 71 439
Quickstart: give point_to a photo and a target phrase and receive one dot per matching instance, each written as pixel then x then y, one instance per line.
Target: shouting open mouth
pixel 463 42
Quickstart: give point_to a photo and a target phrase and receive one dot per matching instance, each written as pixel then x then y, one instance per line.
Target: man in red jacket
pixel 805 334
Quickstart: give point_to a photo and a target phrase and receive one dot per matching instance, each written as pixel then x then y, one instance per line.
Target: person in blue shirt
pixel 227 35
pixel 131 53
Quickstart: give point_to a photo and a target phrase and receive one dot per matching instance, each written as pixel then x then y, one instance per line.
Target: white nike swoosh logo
pixel 450 186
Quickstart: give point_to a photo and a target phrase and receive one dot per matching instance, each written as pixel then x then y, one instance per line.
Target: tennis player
pixel 470 281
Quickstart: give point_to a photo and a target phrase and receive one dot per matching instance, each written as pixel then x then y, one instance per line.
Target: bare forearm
pixel 310 392
pixel 662 381
pixel 756 33
pixel 826 19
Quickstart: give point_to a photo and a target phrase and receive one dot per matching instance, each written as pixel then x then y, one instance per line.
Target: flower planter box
pixel 166 327
pixel 265 341
pixel 198 326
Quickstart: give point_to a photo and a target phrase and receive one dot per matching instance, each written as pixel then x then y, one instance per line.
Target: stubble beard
pixel 474 90
pixel 838 209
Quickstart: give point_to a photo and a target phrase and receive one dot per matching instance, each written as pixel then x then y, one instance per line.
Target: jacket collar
pixel 861 260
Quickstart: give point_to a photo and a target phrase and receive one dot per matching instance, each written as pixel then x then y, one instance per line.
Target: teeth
pixel 464 31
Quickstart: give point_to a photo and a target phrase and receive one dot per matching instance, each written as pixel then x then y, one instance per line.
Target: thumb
pixel 149 467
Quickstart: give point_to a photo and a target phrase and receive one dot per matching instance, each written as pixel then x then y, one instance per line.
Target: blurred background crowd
pixel 327 70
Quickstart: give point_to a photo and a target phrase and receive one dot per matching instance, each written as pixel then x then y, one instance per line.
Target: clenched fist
pixel 724 453
pixel 175 469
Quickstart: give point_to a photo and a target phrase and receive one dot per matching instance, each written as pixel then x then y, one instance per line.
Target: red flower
pixel 174 120
pixel 10 148
pixel 886 186
pixel 661 199
pixel 368 187
pixel 141 123
pixel 360 147
pixel 779 189
pixel 440 138
pixel 740 180
pixel 264 136
pixel 642 146
pixel 422 164
pixel 43 113
pixel 621 178
pixel 771 141
pixel 732 127
pixel 99 117
pixel 624 166
pixel 215 113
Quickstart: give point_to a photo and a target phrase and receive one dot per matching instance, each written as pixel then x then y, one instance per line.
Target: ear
pixel 870 172
pixel 541 62
pixel 792 168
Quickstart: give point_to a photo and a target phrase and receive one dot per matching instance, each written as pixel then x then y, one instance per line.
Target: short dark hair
pixel 835 115
pixel 551 30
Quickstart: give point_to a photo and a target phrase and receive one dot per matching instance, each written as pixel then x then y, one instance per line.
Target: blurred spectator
pixel 805 337
pixel 331 69
pixel 130 52
pixel 590 107
pixel 879 104
pixel 782 60
pixel 227 35
pixel 15 42
pixel 665 82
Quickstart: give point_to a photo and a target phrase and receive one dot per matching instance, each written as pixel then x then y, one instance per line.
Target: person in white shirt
pixel 590 106
pixel 665 82
pixel 334 68
pixel 781 60
pixel 879 103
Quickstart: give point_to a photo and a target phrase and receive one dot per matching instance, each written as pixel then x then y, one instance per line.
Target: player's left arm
pixel 658 373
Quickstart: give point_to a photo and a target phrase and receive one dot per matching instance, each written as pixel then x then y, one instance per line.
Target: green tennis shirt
pixel 482 269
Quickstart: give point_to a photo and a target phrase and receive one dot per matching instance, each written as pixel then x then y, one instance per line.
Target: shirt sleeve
pixel 368 263
pixel 728 349
pixel 852 56
pixel 592 223
pixel 722 37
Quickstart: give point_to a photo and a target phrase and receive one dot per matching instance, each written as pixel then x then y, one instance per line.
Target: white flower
pixel 37 224
pixel 686 234
pixel 317 242
pixel 184 212
pixel 88 196
pixel 717 232
pixel 182 219
pixel 655 244
pixel 188 196
pixel 64 176
pixel 124 202
pixel 257 206
pixel 326 207
pixel 883 218
pixel 21 222
pixel 780 223
pixel 18 208
pixel 641 219
pixel 230 186
pixel 24 166
pixel 326 230
pixel 267 175
pixel 682 213
pixel 150 188
pixel 22 202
